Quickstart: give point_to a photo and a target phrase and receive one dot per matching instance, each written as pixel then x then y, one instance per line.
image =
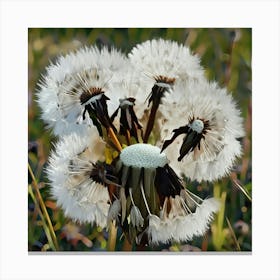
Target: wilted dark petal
pixel 177 132
pixel 124 174
pixel 135 177
pixel 129 124
pixel 123 204
pixel 102 173
pixel 155 98
pixel 167 183
pixel 149 179
pixel 98 113
pixel 192 138
pixel 190 142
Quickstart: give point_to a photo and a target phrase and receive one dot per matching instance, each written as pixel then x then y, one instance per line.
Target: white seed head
pixel 220 146
pixel 65 81
pixel 197 125
pixel 143 155
pixel 68 171
pixel 167 58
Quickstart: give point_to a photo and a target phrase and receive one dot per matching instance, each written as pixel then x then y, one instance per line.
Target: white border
pixel 17 16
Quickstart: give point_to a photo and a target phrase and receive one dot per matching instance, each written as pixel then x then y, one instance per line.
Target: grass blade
pixel 43 207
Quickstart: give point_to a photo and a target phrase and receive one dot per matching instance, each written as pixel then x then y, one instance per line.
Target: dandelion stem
pixel 114 139
pixel 112 236
pixel 43 207
pixel 151 121
pixel 127 136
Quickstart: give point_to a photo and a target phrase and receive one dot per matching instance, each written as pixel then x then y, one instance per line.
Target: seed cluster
pixel 125 139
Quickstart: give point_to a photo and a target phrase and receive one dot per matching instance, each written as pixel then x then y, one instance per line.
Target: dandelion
pixel 74 88
pixel 119 160
pixel 207 128
pixel 126 108
pixel 148 195
pixel 79 181
pixel 158 204
pixel 165 60
pixel 165 64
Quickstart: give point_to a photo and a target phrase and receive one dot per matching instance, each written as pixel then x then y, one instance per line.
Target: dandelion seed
pixel 136 218
pixel 165 63
pixel 119 159
pixel 208 126
pixel 157 199
pixel 78 182
pixel 74 88
pixel 114 211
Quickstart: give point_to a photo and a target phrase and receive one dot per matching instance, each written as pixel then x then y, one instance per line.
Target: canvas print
pixel 139 140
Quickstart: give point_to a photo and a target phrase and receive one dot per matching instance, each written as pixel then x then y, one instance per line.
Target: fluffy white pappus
pixel 114 212
pixel 136 217
pixel 65 81
pixel 85 59
pixel 159 231
pixel 220 146
pixel 55 116
pixel 179 226
pixel 166 58
pixel 114 60
pixel 69 169
pixel 197 223
pixel 130 84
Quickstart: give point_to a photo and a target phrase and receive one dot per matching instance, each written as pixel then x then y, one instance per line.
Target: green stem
pixel 43 207
pixel 45 226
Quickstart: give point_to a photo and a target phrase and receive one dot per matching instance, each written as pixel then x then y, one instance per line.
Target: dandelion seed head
pixel 130 85
pixel 158 96
pixel 158 57
pixel 143 155
pixel 72 78
pixel 214 109
pixel 70 174
pixel 180 226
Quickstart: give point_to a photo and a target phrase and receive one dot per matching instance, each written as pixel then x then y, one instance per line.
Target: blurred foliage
pixel 225 55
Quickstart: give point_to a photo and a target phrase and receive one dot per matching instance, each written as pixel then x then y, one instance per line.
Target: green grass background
pixel 226 56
